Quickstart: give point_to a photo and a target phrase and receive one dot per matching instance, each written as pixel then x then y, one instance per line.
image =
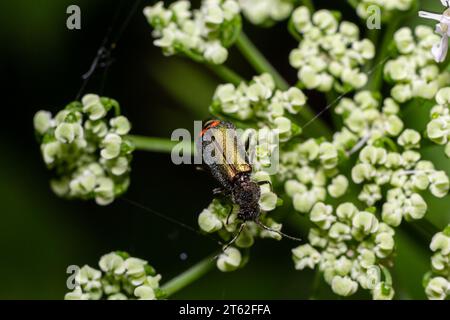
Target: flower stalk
pixel 226 73
pixel 154 144
pixel 258 61
pixel 189 276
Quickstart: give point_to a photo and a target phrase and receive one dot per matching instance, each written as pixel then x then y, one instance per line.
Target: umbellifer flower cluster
pixel 203 34
pixel 437 281
pixel 414 72
pixel 87 149
pixel 391 173
pixel 350 248
pixel 330 54
pixel 120 277
pixel 438 129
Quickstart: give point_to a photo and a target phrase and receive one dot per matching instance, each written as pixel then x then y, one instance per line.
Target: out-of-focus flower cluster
pixel 349 247
pixel 330 53
pixel 365 8
pixel 437 281
pixel 120 277
pixel 438 129
pixel 413 73
pixel 203 34
pixel 86 148
pixel 266 12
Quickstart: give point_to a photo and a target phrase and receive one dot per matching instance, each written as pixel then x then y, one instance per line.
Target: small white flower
pixel 42 121
pixel 111 146
pixel 439 50
pixel 144 292
pixel 216 53
pixel 209 222
pixel 344 286
pixel 437 288
pixel 229 260
pixel 305 256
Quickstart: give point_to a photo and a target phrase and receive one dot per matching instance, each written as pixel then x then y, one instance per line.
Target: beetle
pixel 226 159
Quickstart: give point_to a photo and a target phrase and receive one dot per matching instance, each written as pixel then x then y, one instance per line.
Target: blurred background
pixel 40 235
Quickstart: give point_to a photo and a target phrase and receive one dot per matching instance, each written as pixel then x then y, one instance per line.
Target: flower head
pixel 121 277
pixel 87 149
pixel 203 35
pixel 330 53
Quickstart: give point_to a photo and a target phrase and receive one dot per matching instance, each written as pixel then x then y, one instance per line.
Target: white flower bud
pixel 209 222
pixel 112 262
pixel 93 106
pixel 229 260
pixel 338 186
pixel 440 242
pixel 344 286
pixel 144 293
pixel 439 184
pixel 215 53
pixel 120 124
pixel 383 292
pixel 346 211
pixel 42 121
pixel 111 146
pixel 322 216
pixel 364 223
pixel 437 288
pixel 305 256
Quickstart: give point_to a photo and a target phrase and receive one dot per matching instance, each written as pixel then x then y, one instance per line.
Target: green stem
pixel 353 3
pixel 315 284
pixel 192 274
pixel 159 144
pixel 376 78
pixel 374 36
pixel 226 74
pixel 383 53
pixel 258 61
pixel 423 229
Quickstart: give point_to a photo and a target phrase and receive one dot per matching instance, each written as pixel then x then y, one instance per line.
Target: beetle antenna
pixel 235 237
pixel 259 223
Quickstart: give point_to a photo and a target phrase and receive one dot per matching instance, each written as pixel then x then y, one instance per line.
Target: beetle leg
pixel 219 191
pixel 229 215
pixel 235 237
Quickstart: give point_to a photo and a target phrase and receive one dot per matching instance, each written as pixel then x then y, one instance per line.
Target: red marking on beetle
pixel 213 124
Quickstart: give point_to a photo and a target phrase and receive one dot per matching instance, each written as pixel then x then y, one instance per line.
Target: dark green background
pixel 40 235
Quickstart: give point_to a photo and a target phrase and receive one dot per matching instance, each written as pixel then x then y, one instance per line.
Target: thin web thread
pixel 105 50
pixel 339 98
pixel 170 219
pixel 103 58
